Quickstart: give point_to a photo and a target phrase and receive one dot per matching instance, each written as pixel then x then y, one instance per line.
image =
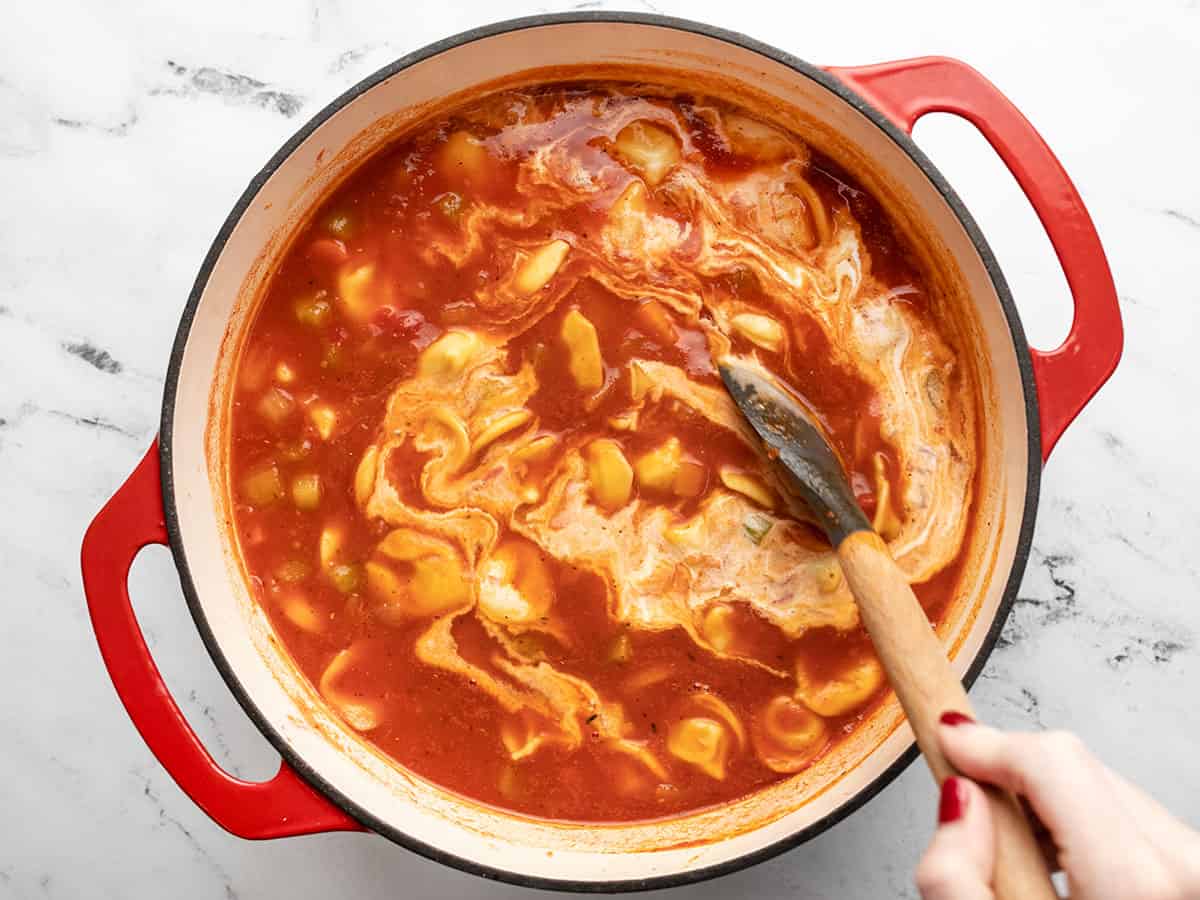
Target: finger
pixel 1067 788
pixel 1163 831
pixel 959 862
pixel 1041 834
pixel 1064 784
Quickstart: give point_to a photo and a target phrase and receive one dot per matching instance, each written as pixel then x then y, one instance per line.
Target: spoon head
pixel 796 444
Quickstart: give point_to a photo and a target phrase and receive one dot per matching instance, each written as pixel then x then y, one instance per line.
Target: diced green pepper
pixel 756 527
pixel 341 225
pixel 314 310
pixel 263 486
pixel 346 578
pixel 293 570
pixel 306 491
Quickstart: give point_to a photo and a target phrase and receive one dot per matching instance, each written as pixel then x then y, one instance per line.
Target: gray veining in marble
pixel 128 130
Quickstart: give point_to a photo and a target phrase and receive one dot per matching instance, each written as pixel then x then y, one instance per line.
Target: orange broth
pixel 434 722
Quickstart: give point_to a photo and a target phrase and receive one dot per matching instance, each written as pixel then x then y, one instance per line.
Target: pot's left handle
pixel 281 807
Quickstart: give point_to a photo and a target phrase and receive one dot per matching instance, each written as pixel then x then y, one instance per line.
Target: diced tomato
pixel 328 252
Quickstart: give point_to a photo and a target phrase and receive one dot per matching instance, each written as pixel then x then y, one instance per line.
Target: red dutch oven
pixel 331 781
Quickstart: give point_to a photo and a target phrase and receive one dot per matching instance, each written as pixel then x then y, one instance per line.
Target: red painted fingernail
pixel 953 802
pixel 956 718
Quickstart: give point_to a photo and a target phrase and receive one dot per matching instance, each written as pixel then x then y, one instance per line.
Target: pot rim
pixel 800 67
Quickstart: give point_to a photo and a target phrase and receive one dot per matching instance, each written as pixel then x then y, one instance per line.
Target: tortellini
pixel 358 290
pixel 747 485
pixel 885 522
pixel 665 470
pixel 843 694
pixel 788 735
pixel 499 427
pixel 463 159
pixel 653 318
pixel 583 348
pixel 791 213
pixel 713 704
pixel 537 450
pixel 686 536
pixel 717 626
pixel 359 714
pixel 635 234
pixel 702 742
pixel 329 544
pixel 650 150
pixel 708 739
pixel 537 268
pixel 756 139
pixel 524 734
pixel 324 419
pixel 514 585
pixel 364 475
pixel 300 611
pixel 640 382
pixel 447 357
pixel 759 329
pixel 610 474
pixel 415 574
pixel 657 469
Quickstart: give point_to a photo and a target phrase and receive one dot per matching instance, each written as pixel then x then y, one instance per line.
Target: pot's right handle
pixel 283 806
pixel 1069 375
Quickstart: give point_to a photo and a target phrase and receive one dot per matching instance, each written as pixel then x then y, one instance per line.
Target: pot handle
pixel 281 807
pixel 1068 376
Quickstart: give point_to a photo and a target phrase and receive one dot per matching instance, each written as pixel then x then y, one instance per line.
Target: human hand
pixel 1113 841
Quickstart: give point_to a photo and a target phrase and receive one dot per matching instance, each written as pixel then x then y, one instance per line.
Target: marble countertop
pixel 127 133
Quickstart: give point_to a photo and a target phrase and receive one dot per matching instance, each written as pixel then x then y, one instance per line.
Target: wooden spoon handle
pixel 916 665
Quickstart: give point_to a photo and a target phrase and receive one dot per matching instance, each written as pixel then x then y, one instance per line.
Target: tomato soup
pixel 491 493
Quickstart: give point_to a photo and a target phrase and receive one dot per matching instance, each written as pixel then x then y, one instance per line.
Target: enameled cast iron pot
pixel 329 780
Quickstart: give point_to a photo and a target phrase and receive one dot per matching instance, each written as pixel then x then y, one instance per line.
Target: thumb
pixel 959 862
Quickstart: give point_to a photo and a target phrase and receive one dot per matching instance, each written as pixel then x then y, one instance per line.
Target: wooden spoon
pixel 909 650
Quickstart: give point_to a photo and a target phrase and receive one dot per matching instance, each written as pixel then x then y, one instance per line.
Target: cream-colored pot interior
pixel 396 801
